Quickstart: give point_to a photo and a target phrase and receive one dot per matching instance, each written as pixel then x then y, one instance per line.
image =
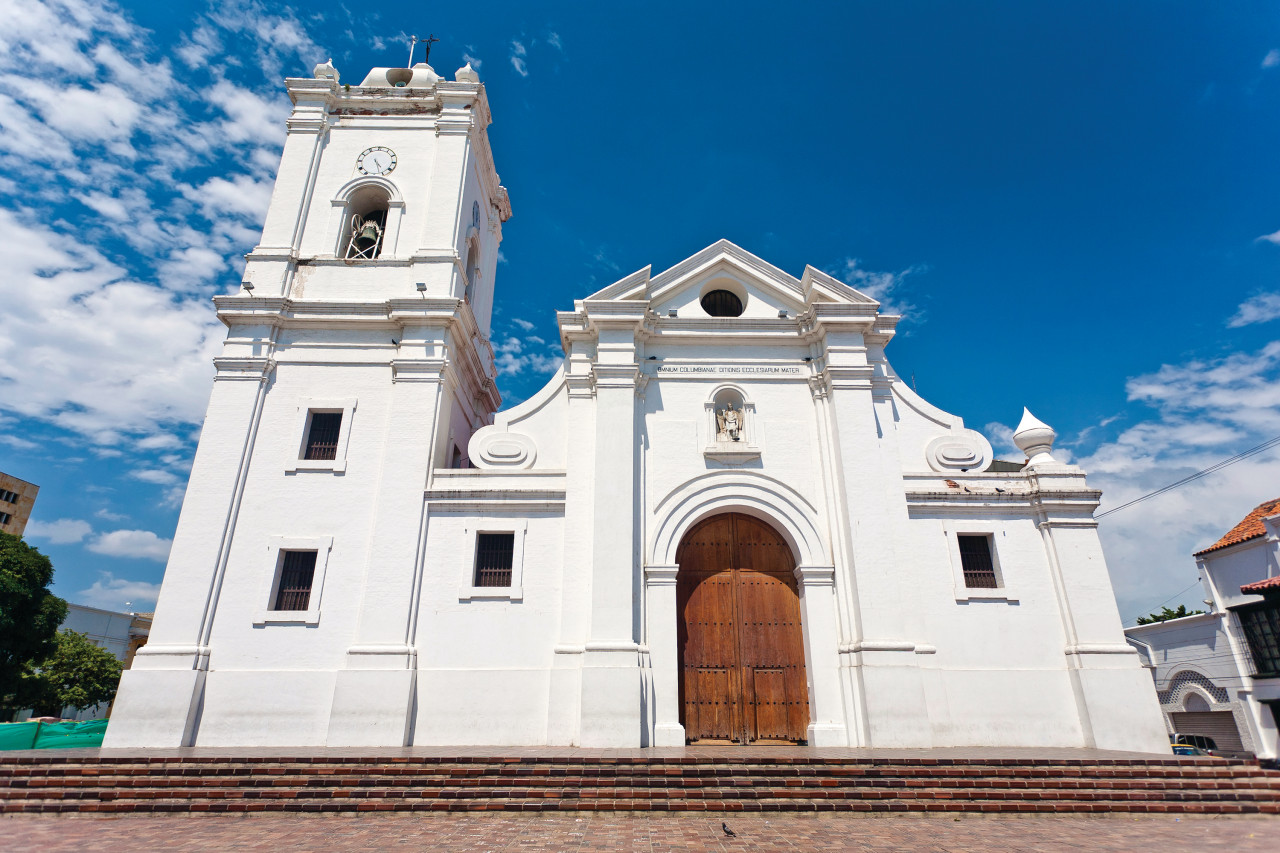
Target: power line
pixel 1194 583
pixel 1253 451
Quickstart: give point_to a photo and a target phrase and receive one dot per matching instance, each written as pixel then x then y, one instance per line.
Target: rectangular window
pixel 493 558
pixel 5 518
pixel 296 575
pixel 1261 624
pixel 8 497
pixel 322 435
pixel 975 559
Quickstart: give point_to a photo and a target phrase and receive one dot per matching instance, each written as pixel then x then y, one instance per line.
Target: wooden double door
pixel 741 646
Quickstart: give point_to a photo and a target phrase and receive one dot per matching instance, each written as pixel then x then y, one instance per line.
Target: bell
pixel 368 232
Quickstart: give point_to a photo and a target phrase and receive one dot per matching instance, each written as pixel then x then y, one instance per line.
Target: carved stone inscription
pixel 726 370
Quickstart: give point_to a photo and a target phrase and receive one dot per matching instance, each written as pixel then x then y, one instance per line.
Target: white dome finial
pixel 325 70
pixel 1035 438
pixel 466 74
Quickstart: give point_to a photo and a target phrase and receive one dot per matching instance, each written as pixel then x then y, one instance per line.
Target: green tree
pixel 29 616
pixel 77 675
pixel 1166 614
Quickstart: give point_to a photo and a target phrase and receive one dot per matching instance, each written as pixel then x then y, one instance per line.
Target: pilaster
pixel 661 619
pixel 373 698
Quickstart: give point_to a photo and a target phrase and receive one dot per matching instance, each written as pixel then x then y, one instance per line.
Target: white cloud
pixel 518 62
pixel 18 443
pixel 176 169
pixel 64 531
pixel 469 56
pixel 1273 237
pixel 1272 59
pixel 553 39
pixel 140 544
pixel 524 324
pixel 155 475
pixel 109 515
pixel 72 349
pixel 513 356
pixel 1256 309
pixel 1202 412
pixel 884 287
pixel 112 593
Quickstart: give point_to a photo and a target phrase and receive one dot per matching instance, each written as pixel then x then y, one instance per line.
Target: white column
pixel 664 654
pixel 373 697
pixel 159 696
pixel 611 677
pixel 821 654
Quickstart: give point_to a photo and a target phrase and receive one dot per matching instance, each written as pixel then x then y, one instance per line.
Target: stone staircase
pixel 330 783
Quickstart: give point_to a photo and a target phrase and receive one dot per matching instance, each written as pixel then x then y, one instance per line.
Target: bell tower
pixel 382 188
pixel 356 366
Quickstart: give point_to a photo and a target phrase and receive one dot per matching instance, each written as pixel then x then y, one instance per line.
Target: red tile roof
pixel 1261 587
pixel 1250 527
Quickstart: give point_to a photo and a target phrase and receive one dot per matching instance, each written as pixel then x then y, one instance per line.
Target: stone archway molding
pixel 750 492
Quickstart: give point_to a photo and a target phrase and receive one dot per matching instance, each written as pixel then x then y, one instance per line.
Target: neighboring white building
pixel 724 518
pixel 122 634
pixel 1218 673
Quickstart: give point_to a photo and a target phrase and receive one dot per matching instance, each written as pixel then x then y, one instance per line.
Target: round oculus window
pixel 722 303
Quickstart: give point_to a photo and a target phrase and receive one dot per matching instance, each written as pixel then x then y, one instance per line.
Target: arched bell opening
pixel 472 269
pixel 365 224
pixel 739 635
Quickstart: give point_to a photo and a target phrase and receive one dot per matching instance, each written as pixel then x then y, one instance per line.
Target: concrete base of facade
pixel 372 708
pixel 1122 709
pixel 155 708
pixel 612 700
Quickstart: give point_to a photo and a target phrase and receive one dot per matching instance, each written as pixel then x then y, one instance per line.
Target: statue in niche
pixel 730 421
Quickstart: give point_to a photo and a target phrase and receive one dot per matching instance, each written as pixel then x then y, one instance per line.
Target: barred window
pixel 322 435
pixel 493 558
pixel 5 518
pixel 1261 624
pixel 8 496
pixel 297 572
pixel 975 559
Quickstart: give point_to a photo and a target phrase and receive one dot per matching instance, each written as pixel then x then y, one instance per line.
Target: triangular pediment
pixel 724 264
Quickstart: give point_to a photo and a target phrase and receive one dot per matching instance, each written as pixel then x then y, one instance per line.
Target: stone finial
pixel 325 70
pixel 1035 438
pixel 466 74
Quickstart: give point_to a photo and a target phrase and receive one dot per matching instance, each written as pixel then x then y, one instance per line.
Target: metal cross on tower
pixel 427 42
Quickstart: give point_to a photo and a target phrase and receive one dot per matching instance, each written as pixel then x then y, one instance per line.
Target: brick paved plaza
pixel 621 832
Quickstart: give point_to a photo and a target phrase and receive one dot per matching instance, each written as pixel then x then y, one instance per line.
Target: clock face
pixel 376 161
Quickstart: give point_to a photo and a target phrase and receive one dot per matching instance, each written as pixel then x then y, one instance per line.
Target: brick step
pixel 673 805
pixel 708 793
pixel 300 781
pixel 1189 769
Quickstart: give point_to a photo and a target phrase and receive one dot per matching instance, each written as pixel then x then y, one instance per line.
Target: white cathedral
pixel 725 519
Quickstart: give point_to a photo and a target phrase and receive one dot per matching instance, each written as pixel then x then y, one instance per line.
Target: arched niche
pixel 723 442
pixel 372 199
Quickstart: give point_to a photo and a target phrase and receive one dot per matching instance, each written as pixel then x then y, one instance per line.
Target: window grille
pixel 1261 625
pixel 294 592
pixel 493 558
pixel 322 438
pixel 722 303
pixel 975 559
pixel 5 518
pixel 8 496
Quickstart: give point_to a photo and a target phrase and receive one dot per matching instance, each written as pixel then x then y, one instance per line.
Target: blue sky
pixel 1076 206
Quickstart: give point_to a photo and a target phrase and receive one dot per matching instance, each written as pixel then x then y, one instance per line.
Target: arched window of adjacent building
pixel 365 224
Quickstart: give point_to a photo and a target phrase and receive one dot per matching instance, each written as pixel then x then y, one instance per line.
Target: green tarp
pixel 18 735
pixel 52 735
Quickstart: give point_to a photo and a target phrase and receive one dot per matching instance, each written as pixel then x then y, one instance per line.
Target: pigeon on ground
pixel 727 831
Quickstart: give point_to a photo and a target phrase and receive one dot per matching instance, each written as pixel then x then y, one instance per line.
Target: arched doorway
pixel 742 676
